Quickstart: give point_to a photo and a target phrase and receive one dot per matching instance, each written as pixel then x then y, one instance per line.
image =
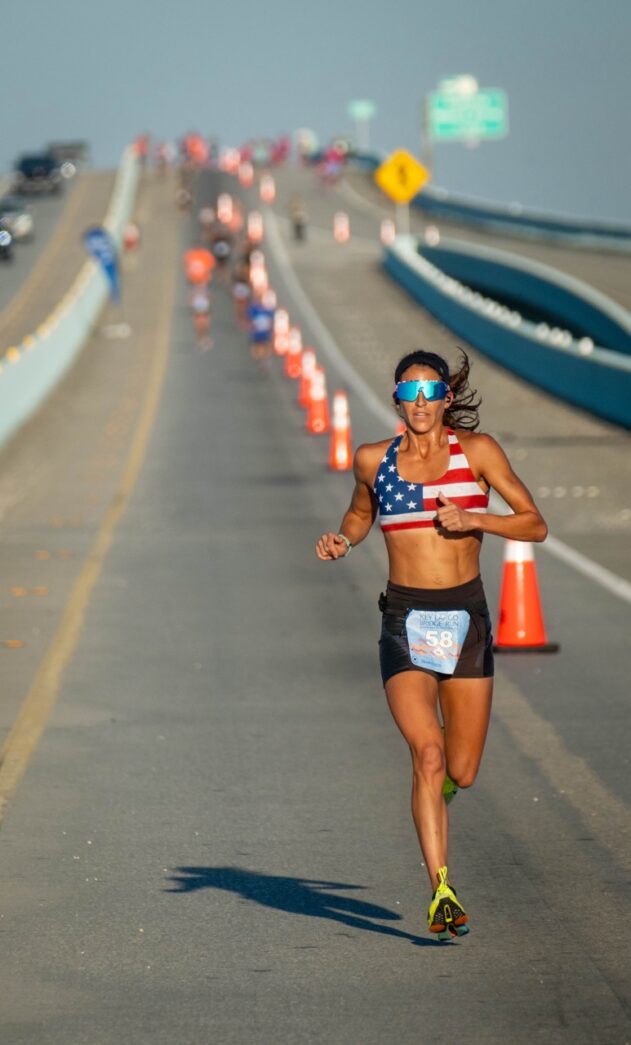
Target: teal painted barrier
pixel 538 288
pixel 515 220
pixel 594 378
pixel 31 370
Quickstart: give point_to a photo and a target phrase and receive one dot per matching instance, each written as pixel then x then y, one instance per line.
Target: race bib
pixel 435 638
pixel 262 323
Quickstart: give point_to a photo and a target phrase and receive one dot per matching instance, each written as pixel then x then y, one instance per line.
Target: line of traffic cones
pixel 301 365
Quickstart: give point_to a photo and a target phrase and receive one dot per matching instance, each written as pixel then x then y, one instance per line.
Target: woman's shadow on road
pixel 304 896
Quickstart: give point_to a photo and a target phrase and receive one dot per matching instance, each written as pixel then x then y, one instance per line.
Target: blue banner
pixel 101 246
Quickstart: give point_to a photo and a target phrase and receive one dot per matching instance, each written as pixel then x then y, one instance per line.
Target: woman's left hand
pixel 452 518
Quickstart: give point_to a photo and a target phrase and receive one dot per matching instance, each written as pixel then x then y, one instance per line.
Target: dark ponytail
pixel 463 411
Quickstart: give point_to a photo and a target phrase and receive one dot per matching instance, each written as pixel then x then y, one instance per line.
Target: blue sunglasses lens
pixel 407 391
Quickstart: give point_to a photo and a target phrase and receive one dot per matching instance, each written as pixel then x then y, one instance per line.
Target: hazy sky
pixel 106 71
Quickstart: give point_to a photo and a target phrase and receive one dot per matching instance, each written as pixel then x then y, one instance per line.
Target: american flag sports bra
pixel 409 506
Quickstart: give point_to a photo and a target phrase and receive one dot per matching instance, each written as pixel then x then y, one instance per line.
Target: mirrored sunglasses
pixel 408 391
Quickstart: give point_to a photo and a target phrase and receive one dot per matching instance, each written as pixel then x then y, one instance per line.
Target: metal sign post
pixel 402 219
pixel 362 112
pixel 427 156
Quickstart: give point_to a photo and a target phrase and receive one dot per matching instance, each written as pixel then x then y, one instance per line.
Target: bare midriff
pixel 424 558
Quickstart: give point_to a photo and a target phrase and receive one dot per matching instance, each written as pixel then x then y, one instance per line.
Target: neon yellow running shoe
pixel 449 789
pixel 446 916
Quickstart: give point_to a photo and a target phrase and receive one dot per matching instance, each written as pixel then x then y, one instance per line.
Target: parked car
pixel 16 218
pixel 37 172
pixel 6 245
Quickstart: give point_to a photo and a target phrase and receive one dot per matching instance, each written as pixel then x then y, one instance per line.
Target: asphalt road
pixel 212 840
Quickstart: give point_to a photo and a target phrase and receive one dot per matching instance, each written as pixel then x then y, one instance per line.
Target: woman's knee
pixel 463 776
pixel 428 760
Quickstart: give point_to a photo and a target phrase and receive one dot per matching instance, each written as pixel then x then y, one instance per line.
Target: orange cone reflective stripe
pixel 293 355
pixel 318 421
pixel 309 364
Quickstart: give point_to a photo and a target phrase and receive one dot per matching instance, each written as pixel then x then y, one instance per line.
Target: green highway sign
pixel 453 116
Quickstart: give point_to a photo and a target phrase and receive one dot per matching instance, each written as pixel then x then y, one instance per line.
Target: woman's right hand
pixel 331 546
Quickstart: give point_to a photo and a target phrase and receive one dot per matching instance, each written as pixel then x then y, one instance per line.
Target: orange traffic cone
pixel 340 452
pixel 281 344
pixel 318 421
pixel 521 628
pixel 293 355
pixel 309 363
pixel 401 428
pixel 281 331
pixel 131 236
pixel 341 227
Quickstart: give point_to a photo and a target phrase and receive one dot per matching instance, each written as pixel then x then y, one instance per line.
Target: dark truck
pixel 37 172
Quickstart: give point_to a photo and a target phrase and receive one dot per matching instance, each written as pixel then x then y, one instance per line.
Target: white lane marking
pixel 608 580
pixel 114 331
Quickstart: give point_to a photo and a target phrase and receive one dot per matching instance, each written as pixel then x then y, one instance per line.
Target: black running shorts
pixel 476 658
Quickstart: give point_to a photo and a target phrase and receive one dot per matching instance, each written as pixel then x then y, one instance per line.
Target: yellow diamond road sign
pixel 401 176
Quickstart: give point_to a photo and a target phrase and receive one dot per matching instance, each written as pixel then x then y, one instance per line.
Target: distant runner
pixel 200 307
pixel 298 216
pixel 261 318
pixel 436 643
pixel 198 265
pixel 241 292
pixel 221 246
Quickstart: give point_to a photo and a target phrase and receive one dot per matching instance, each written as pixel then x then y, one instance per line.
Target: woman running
pixel 241 293
pixel 200 308
pixel 430 488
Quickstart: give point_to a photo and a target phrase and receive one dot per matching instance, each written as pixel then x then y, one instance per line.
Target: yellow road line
pixel 47 258
pixel 40 700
